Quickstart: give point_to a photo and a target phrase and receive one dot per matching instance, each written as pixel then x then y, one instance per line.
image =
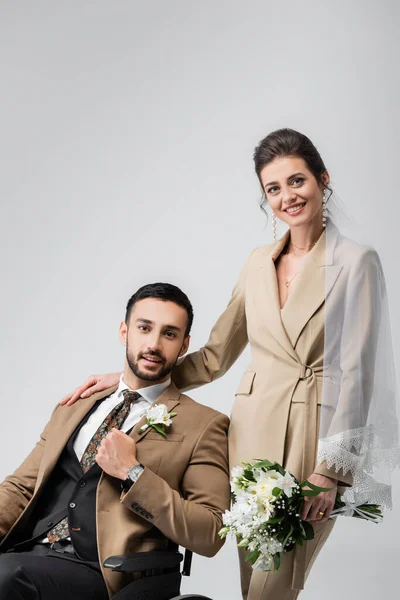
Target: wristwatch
pixel 133 475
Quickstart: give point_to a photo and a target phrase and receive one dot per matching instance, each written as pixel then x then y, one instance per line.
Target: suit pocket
pixel 157 437
pixel 246 383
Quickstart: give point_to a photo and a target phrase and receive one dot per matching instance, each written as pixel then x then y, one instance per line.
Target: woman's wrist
pixel 333 482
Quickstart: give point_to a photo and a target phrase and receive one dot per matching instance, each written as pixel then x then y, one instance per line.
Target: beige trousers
pixel 277 585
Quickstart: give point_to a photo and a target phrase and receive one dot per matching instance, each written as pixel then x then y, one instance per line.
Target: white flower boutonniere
pixel 158 418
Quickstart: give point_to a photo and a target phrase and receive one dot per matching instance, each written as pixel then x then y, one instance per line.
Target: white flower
pixel 274 546
pixel 158 417
pixel 266 482
pixel 255 505
pixel 287 483
pixel 237 472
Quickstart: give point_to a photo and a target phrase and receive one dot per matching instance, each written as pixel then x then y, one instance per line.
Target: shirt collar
pixel 150 393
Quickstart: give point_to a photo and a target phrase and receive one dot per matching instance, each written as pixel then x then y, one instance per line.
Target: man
pixel 103 481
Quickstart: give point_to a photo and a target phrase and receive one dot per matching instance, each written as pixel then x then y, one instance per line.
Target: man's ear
pixel 123 332
pixel 185 346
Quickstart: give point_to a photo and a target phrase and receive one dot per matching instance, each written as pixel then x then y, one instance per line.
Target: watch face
pixel 134 472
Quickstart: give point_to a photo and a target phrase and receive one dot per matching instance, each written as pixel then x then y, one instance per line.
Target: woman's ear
pixel 325 178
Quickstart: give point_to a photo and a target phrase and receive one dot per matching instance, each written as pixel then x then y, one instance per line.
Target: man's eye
pixel 170 334
pixel 143 328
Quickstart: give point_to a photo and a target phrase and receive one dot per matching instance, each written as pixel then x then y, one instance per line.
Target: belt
pixel 63 546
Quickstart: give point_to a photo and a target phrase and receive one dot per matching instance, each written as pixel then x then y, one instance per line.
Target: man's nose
pixel 154 341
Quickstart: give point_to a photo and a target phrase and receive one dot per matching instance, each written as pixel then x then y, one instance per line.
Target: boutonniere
pixel 158 418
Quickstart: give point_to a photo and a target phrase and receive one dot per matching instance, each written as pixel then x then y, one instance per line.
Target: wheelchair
pixel 161 578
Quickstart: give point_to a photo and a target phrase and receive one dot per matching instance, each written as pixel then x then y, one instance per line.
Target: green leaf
pixel 249 475
pixel 310 493
pixel 308 530
pixel 260 464
pixel 315 488
pixel 253 556
pixel 159 429
pixel 287 537
pixel 277 561
pixel 275 520
pixel 276 492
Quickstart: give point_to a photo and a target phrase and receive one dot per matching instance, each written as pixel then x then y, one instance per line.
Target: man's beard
pixel 134 366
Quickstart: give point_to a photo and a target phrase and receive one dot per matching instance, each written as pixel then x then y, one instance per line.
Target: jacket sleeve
pixel 17 489
pixel 192 516
pixel 228 339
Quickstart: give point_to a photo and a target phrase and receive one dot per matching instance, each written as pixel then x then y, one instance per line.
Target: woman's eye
pixel 272 190
pixel 298 181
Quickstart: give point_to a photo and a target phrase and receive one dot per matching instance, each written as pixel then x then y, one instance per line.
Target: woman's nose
pixel 288 195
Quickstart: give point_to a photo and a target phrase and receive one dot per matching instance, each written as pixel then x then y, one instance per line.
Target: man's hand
pixel 117 454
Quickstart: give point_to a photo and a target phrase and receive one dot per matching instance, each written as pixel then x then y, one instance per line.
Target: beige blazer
pixel 180 496
pixel 276 410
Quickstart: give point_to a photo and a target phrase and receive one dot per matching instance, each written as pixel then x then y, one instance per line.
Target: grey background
pixel 127 131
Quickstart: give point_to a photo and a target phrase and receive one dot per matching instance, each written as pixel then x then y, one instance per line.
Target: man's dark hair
pixel 166 292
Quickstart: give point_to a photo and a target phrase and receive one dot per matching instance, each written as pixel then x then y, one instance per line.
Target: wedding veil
pixel 358 419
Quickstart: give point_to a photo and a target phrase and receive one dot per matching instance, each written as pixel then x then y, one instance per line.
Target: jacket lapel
pixel 315 281
pixel 170 397
pixel 267 295
pixel 66 421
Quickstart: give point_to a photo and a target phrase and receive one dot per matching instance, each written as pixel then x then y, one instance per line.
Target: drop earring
pixel 324 209
pixel 274 226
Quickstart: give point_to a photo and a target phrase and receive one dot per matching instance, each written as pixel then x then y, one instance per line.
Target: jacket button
pixel 72 504
pixel 49 524
pixel 82 483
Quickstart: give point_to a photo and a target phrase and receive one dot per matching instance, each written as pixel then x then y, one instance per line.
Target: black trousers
pixel 40 573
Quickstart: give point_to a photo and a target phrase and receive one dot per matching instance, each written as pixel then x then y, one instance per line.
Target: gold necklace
pixel 305 247
pixel 289 281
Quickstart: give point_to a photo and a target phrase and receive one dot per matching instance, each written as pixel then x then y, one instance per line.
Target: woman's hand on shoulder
pixel 317 509
pixel 93 384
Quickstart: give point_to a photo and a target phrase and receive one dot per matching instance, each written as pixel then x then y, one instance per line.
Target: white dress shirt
pixel 138 408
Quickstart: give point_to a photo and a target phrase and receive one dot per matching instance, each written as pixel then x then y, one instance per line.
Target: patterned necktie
pixel 114 419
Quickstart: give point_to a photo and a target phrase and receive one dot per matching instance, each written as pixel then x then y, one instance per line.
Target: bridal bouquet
pixel 265 514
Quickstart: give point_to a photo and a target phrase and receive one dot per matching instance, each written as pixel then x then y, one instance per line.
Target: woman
pixel 312 307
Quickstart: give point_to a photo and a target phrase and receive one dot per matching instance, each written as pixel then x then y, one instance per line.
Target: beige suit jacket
pixel 277 404
pixel 180 496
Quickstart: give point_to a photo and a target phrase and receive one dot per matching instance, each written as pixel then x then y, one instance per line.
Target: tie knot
pixel 130 396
